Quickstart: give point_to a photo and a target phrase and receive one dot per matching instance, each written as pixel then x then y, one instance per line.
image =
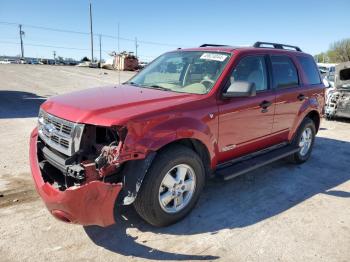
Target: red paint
pixel 155 118
pixel 90 204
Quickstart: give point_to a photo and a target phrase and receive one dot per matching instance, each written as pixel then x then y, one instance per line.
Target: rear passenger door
pixel 289 99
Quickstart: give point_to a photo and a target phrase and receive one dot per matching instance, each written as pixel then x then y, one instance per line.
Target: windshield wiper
pixel 157 87
pixel 131 83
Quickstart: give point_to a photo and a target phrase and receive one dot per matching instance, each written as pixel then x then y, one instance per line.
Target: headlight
pixel 41 117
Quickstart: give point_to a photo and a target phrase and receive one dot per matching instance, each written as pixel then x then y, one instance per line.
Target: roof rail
pixel 206 45
pixel 276 45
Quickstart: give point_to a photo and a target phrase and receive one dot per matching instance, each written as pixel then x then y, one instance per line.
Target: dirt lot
pixel 279 213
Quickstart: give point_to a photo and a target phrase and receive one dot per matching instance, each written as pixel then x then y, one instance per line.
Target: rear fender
pixel 311 104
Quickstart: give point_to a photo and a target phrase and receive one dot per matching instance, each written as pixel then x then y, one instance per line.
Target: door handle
pixel 301 97
pixel 265 104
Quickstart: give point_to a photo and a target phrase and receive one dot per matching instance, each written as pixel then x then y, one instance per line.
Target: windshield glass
pixel 193 72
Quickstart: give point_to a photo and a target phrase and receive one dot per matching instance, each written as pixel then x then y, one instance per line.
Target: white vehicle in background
pixel 327 71
pixel 326 68
pixel 109 64
pixel 7 61
pixel 84 64
pixel 143 64
pixel 328 82
pixel 338 97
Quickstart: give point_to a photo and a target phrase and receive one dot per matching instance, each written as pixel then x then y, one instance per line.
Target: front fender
pixel 149 137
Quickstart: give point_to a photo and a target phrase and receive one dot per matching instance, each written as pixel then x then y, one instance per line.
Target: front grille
pixel 54 138
pixel 61 141
pixel 64 143
pixel 60 134
pixel 60 126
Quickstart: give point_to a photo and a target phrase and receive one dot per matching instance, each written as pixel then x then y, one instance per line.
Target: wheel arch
pixel 315 117
pixel 313 114
pixel 134 171
pixel 198 147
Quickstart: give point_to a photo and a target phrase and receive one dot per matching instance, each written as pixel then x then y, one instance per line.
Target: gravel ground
pixel 281 212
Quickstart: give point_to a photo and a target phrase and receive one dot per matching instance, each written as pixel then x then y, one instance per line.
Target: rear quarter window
pixel 308 65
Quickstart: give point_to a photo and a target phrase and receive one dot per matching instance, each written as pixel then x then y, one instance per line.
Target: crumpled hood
pixel 112 105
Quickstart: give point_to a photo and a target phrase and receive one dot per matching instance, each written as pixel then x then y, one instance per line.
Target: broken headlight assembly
pixel 72 154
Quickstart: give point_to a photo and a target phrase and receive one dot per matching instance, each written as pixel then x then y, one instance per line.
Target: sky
pixel 161 26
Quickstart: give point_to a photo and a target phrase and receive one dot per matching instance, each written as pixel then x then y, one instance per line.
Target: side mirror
pixel 326 83
pixel 240 89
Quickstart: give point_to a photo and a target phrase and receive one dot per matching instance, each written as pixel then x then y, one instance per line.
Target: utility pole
pixel 118 39
pixel 92 36
pixel 118 56
pixel 100 52
pixel 136 46
pixel 54 56
pixel 21 33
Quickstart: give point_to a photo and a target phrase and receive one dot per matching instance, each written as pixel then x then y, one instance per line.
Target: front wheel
pixel 171 187
pixel 304 139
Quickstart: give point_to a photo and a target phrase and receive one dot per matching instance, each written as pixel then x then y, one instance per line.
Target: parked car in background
pixel 192 114
pixel 329 82
pixel 338 98
pixel 142 64
pixel 33 61
pixel 84 64
pixel 326 68
pixel 22 61
pixel 7 61
pixel 71 62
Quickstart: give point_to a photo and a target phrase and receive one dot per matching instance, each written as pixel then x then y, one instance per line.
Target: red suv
pixel 192 114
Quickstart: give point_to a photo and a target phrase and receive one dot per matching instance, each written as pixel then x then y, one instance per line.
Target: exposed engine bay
pixel 96 159
pixel 338 103
pixel 72 154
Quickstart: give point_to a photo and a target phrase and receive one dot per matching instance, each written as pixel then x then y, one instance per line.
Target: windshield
pixel 193 72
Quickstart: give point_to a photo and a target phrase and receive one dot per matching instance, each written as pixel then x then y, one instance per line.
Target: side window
pixel 284 72
pixel 309 67
pixel 251 69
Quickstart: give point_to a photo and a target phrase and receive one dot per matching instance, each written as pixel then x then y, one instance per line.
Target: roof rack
pixel 276 45
pixel 206 45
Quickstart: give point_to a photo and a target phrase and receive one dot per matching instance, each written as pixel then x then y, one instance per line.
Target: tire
pixel 303 154
pixel 175 158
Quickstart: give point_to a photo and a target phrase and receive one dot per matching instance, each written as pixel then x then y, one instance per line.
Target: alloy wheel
pixel 305 141
pixel 177 188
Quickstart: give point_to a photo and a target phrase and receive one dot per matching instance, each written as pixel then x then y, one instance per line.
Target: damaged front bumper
pixel 89 204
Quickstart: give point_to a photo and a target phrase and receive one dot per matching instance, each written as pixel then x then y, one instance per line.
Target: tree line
pixel 338 52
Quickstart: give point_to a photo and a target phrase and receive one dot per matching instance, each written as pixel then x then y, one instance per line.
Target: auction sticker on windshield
pixel 215 57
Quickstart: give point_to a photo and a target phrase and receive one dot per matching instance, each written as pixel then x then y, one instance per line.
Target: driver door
pixel 245 123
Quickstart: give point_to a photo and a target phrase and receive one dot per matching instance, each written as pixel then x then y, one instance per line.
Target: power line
pixel 51 46
pixel 86 33
pixel 45 28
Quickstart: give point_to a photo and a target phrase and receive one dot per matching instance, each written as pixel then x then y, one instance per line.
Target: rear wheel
pixel 171 187
pixel 304 139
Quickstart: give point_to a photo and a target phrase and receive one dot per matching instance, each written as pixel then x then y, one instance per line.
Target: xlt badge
pixel 228 147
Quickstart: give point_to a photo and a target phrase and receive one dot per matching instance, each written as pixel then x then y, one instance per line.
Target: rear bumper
pixel 90 204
